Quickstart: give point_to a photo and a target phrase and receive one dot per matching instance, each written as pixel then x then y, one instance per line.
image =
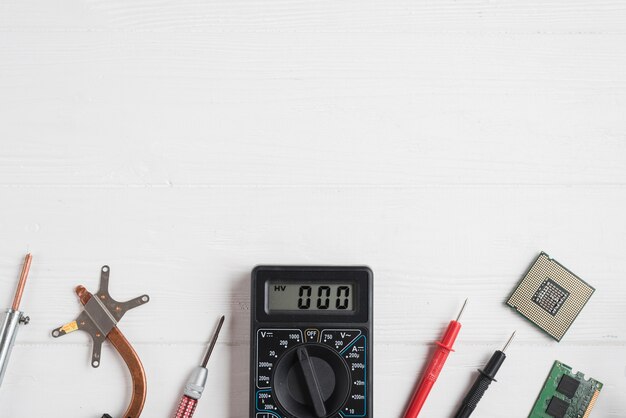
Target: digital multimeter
pixel 311 345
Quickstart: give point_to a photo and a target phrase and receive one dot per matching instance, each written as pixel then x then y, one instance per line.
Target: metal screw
pixel 25 320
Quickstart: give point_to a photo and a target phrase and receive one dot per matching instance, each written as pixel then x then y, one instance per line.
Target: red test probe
pixel 434 367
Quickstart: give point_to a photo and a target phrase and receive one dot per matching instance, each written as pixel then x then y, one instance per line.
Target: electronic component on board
pixel 566 394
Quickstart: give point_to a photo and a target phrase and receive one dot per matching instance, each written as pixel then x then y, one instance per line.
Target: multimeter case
pixel 349 335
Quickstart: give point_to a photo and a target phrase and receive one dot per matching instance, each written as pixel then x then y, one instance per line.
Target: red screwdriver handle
pixel 444 347
pixel 186 407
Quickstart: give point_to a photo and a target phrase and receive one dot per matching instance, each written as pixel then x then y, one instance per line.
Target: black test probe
pixel 482 382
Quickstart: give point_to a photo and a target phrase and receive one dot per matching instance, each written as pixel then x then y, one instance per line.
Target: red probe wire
pixel 444 347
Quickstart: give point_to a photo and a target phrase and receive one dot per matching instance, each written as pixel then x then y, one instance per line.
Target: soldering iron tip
pixel 22 282
pixel 458 318
pixel 509 341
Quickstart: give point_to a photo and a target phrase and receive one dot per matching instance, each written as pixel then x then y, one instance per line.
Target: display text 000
pixel 323 298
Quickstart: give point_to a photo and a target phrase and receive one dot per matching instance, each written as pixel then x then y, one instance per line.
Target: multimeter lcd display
pixel 291 296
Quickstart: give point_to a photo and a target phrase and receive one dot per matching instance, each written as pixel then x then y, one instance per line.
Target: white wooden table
pixel 443 143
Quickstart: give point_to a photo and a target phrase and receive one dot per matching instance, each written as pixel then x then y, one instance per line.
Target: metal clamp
pixel 101 315
pixel 99 319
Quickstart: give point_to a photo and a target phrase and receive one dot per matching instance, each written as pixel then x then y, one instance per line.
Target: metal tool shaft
pixel 216 335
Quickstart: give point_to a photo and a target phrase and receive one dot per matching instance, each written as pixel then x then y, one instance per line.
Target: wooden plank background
pixel 443 143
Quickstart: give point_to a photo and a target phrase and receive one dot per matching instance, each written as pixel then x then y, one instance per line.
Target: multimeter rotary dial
pixel 311 381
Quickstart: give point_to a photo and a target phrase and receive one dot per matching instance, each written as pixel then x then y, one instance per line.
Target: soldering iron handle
pixel 9 326
pixel 186 407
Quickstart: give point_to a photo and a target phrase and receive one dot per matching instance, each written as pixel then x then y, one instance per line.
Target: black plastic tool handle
pixel 481 385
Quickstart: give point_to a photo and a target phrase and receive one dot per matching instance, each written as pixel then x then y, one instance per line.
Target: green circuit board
pixel 566 394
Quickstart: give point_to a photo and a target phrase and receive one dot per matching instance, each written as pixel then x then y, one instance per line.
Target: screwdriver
pixel 434 367
pixel 197 381
pixel 482 382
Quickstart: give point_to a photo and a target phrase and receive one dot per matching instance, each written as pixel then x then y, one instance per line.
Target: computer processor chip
pixel 550 296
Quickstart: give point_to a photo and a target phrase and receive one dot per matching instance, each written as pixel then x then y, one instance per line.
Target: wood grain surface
pixel 442 143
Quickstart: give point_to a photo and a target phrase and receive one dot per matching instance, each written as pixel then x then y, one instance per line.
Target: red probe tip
pixel 458 318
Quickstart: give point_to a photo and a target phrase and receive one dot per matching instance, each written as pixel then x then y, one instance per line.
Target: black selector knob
pixel 311 381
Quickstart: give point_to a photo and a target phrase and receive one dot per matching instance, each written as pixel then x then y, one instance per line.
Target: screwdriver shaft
pixel 216 335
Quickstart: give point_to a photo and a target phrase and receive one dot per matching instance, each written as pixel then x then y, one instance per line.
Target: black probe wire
pixel 483 380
